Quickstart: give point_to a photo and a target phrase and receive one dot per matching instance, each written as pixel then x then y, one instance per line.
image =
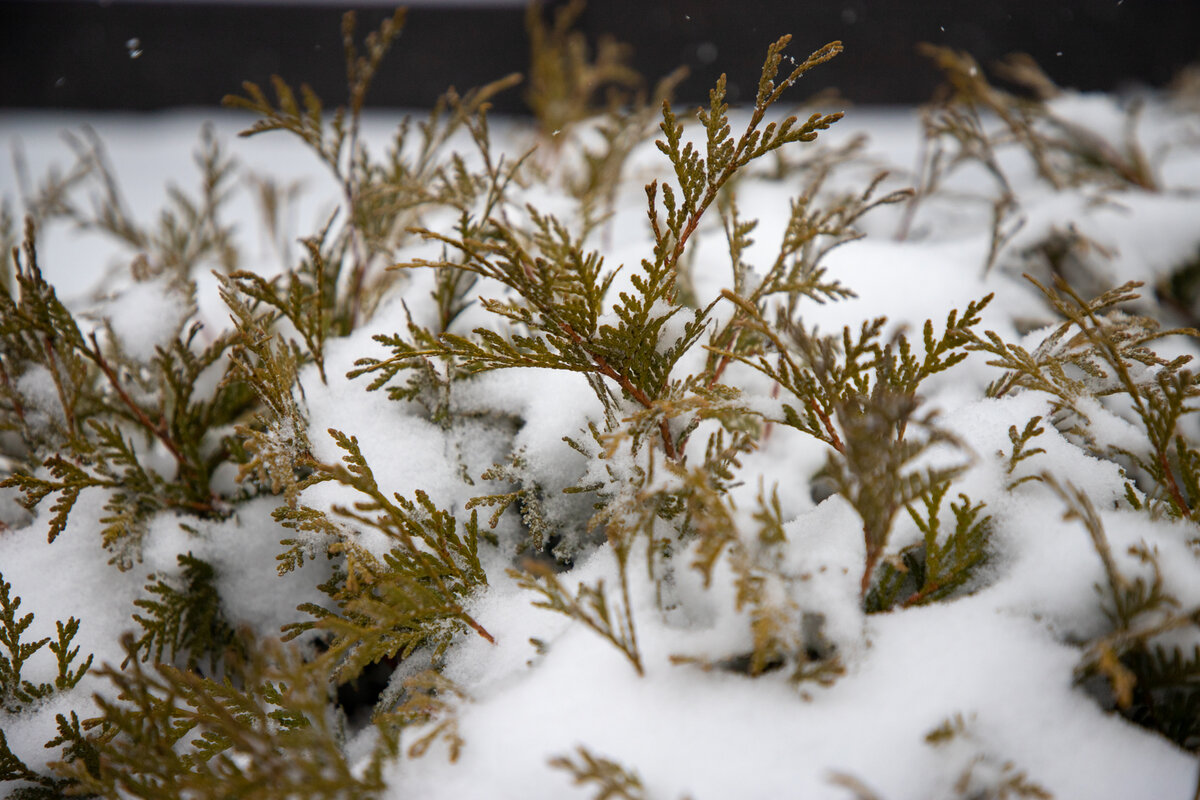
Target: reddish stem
pixel 605 369
pixel 159 429
pixel 1173 487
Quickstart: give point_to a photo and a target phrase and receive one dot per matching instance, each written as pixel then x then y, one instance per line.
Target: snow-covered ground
pixel 1000 660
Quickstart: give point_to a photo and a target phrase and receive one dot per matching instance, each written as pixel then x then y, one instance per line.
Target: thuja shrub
pixel 646 518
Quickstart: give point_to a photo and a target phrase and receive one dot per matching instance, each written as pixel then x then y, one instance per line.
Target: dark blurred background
pixel 149 55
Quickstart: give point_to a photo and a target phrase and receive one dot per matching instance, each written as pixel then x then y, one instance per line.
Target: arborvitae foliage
pixel 76 749
pixel 867 389
pixel 1064 152
pixel 15 691
pixel 589 605
pixel 264 731
pixel 777 627
pixel 112 412
pixel 379 195
pixel 563 82
pixel 982 776
pixel 184 618
pixel 942 563
pixel 190 232
pixel 1149 679
pixel 1101 351
pixel 414 596
pixel 625 125
pixel 18 694
pixel 275 440
pixel 563 287
pixel 430 706
pixel 611 780
pixel 1021 450
pixel 199 709
pixel 972 122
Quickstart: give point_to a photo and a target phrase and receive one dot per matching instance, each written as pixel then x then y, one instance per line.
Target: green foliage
pixel 1149 679
pixel 589 605
pixel 984 776
pixel 700 177
pixel 869 388
pixel 39 334
pixel 563 287
pixel 190 233
pixel 1100 351
pixel 940 565
pixel 265 731
pixel 18 694
pixel 184 619
pixel 1021 450
pixel 276 440
pixel 563 82
pixel 528 496
pixel 198 709
pixel 782 632
pixel 611 780
pixel 410 599
pixel 379 195
pixel 1166 697
pixel 1064 152
pixel 112 414
pixel 431 699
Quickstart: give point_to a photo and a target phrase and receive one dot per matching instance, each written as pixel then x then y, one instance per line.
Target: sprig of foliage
pixel 869 389
pixel 338 145
pixel 941 564
pixel 19 695
pixel 46 787
pixel 305 117
pixel 1152 682
pixel 563 81
pixel 700 178
pixel 431 699
pixel 41 337
pixel 563 302
pixel 184 619
pixel 172 733
pixel 528 497
pixel 782 632
pixel 830 376
pixel 622 128
pixel 379 195
pixel 589 605
pixel 190 232
pixel 1021 450
pixel 476 198
pixel 812 231
pixel 112 413
pixel 984 776
pixel 1064 152
pixel 612 781
pixel 1099 351
pixel 16 692
pixel 276 440
pixel 562 287
pixel 414 596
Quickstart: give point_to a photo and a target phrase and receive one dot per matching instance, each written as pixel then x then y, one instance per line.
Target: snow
pixel 1001 659
pixel 146 316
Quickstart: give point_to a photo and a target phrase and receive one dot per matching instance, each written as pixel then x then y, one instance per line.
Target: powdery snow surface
pixel 1001 659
